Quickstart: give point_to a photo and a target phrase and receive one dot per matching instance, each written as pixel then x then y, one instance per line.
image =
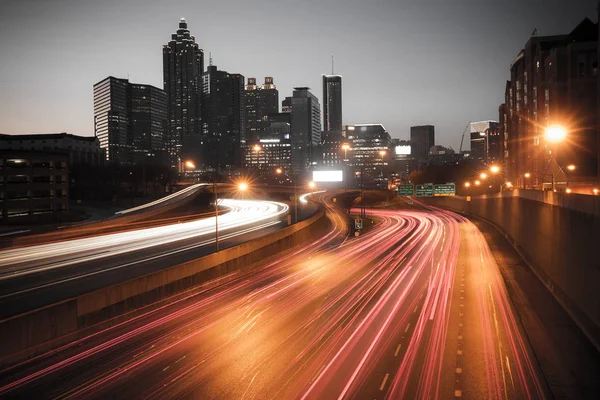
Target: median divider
pixel 35 332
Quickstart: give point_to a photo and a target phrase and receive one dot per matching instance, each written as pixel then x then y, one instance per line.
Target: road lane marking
pixel 407 326
pixel 459 352
pixel 459 337
pixel 385 378
pixel 415 310
pixel 397 350
pixel 459 370
pixel 457 393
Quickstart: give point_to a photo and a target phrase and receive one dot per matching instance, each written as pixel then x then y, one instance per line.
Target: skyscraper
pixel 130 121
pixel 306 128
pixel 111 118
pixel 148 123
pixel 259 103
pixel 183 65
pixel 223 118
pixel 422 138
pixel 332 103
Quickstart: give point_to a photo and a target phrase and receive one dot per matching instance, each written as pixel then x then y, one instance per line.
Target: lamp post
pixel 382 153
pixel 216 173
pixel 554 134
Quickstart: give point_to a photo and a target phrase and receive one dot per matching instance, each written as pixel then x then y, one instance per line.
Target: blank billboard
pixel 403 150
pixel 328 176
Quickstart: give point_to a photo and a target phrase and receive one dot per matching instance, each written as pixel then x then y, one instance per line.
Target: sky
pixel 403 62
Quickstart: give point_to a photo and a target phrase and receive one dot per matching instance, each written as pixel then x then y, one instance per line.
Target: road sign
pixel 358 224
pixel 425 190
pixel 406 189
pixel 447 189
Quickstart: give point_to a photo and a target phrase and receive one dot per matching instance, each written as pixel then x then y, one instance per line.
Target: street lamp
pixel 571 167
pixel 494 169
pixel 190 164
pixel 311 185
pixel 243 186
pixel 483 175
pixel 278 171
pixel 467 184
pixel 477 183
pixel 555 133
pixel 345 147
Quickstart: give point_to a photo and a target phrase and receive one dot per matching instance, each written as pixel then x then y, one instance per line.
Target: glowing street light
pixel 256 148
pixel 568 190
pixel 555 133
pixel 312 185
pixel 596 191
pixel 467 184
pixel 483 175
pixel 494 169
pixel 571 167
pixel 477 183
pixel 382 153
pixel 190 164
pixel 508 184
pixel 278 171
pixel 243 186
pixel 527 175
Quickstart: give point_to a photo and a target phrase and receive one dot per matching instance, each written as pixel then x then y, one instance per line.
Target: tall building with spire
pixel 332 103
pixel 183 65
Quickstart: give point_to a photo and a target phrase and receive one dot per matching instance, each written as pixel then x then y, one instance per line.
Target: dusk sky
pixel 440 62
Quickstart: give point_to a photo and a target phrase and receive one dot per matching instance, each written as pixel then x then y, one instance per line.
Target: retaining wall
pixel 558 235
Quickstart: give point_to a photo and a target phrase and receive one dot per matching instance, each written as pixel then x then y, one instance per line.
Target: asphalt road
pixel 415 308
pixel 34 276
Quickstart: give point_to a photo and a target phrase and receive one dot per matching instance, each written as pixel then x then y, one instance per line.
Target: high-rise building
pixel 130 121
pixel 223 119
pixel 270 156
pixel 183 65
pixel 422 138
pixel 370 154
pixel 485 141
pixel 259 103
pixel 112 119
pixel 332 103
pixel 286 105
pixel 306 128
pixel 148 124
pixel 553 82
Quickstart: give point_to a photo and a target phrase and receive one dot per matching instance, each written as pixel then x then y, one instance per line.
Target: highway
pixel 413 308
pixel 34 276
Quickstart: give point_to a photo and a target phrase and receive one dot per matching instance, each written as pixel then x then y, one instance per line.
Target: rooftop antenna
pixel 332 64
pixel 534 33
pixel 210 58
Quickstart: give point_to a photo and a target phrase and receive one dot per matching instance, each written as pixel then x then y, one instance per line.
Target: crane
pixel 463 137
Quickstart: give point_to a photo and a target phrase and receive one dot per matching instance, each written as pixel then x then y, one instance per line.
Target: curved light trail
pixel 376 316
pixel 181 193
pixel 34 259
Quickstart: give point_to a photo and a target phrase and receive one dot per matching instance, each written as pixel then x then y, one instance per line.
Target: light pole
pixel 216 173
pixel 554 134
pixel 382 153
pixel 346 147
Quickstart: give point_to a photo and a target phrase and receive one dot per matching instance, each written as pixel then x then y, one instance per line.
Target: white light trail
pixel 27 260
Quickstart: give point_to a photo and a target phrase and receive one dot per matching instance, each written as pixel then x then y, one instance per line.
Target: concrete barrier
pixel 29 334
pixel 557 235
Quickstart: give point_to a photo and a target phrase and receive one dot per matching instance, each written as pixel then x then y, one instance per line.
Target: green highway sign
pixel 425 190
pixel 447 189
pixel 406 189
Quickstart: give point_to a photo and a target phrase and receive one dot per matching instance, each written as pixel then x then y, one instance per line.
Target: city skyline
pixel 462 92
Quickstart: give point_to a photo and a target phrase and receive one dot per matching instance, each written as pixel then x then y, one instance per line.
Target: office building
pixel 148 124
pixel 33 186
pixel 332 103
pixel 112 119
pixel 422 138
pixel 79 149
pixel 223 119
pixel 272 152
pixel 370 155
pixel 183 65
pixel 306 128
pixel 286 105
pixel 486 142
pixel 130 121
pixel 259 103
pixel 402 162
pixel 553 82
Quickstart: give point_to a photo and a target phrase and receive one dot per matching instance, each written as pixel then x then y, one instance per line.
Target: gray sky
pixel 403 62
